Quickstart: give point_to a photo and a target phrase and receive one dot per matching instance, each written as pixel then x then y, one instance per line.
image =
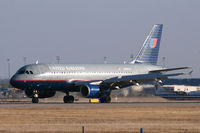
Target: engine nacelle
pixel 41 94
pixel 90 91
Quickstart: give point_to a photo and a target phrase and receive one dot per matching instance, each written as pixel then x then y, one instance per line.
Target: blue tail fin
pixel 150 49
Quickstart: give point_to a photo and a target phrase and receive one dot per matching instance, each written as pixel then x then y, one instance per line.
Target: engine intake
pixel 90 91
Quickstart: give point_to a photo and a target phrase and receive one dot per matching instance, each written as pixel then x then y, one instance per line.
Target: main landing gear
pixel 68 98
pixel 105 95
pixel 35 98
pixel 106 99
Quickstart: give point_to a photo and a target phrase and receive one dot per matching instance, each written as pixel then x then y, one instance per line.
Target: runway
pixel 55 116
pixel 83 104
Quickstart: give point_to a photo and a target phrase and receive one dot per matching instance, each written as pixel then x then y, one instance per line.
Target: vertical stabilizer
pixel 150 49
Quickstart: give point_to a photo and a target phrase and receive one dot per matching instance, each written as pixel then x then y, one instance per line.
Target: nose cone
pixel 13 81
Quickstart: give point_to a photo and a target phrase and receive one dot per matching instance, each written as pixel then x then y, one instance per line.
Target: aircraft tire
pixel 71 99
pixel 105 99
pixel 35 100
pixel 102 100
pixel 108 99
pixel 68 99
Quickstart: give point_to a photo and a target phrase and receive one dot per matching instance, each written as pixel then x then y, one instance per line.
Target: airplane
pixel 93 80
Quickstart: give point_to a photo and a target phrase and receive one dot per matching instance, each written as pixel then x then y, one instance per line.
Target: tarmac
pixel 84 104
pixel 128 115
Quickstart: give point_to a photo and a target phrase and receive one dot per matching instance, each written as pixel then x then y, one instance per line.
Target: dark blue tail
pixel 150 49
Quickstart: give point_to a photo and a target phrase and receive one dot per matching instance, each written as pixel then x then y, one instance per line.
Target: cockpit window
pixel 27 72
pixel 24 72
pixel 21 72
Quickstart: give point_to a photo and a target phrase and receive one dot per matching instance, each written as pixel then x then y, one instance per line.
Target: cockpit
pixel 22 74
pixel 33 69
pixel 24 71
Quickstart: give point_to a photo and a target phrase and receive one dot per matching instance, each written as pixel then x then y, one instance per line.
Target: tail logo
pixel 153 42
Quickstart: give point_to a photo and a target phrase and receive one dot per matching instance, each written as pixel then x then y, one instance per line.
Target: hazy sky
pixel 84 31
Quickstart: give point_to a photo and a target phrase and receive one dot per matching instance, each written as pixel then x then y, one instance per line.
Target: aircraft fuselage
pixel 61 76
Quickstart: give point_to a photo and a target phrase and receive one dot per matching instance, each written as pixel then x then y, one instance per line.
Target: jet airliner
pixel 93 80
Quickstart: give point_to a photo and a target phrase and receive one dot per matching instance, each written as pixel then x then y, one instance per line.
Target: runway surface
pixel 122 117
pixel 81 102
pixel 64 105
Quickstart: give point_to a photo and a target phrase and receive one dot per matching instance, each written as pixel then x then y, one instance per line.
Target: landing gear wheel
pixel 101 100
pixel 68 99
pixel 65 99
pixel 35 100
pixel 106 99
pixel 71 99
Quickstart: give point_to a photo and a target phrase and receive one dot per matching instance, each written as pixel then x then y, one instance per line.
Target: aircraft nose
pixel 13 80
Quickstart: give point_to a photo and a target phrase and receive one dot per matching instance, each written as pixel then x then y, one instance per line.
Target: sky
pixel 84 31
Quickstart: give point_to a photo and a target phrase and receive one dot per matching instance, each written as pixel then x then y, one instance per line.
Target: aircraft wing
pixel 168 69
pixel 129 80
pixel 125 81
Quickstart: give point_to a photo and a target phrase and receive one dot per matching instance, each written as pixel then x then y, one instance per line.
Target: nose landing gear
pixel 35 98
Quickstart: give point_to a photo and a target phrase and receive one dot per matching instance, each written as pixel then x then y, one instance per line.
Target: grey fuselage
pixel 61 77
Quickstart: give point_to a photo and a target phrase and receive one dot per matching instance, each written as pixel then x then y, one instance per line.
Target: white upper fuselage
pixel 82 72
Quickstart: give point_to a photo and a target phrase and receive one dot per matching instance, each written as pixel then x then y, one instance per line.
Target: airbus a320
pixel 93 80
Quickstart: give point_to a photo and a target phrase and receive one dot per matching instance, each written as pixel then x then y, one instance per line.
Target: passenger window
pixel 31 72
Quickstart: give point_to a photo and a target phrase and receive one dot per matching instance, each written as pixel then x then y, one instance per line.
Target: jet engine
pixel 90 91
pixel 41 94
